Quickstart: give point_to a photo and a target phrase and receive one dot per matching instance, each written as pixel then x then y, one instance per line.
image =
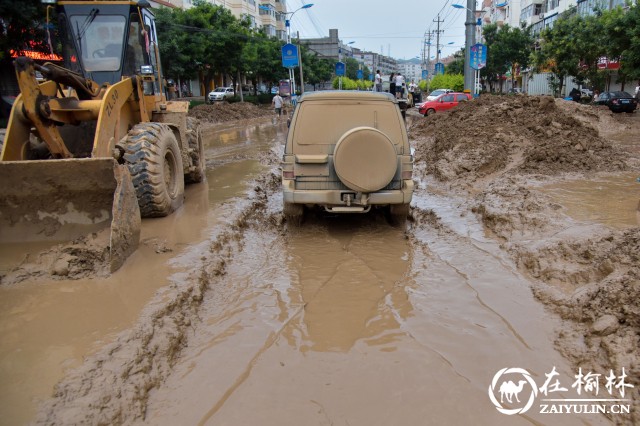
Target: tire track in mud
pixel 112 387
pixel 282 305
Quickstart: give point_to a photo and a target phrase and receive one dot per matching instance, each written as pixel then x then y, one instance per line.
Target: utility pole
pixel 469 40
pixel 300 64
pixel 438 31
pixel 427 51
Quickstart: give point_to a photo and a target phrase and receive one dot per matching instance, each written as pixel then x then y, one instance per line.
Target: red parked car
pixel 443 102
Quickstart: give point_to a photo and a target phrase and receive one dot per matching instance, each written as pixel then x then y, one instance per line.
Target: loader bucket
pixel 61 200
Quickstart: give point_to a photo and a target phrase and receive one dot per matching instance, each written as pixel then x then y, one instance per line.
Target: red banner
pixel 36 55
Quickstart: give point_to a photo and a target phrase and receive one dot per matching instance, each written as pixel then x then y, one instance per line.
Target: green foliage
pixel 573 46
pixel 204 39
pixel 457 66
pixel 261 99
pixel 350 84
pixel 352 67
pixel 262 56
pixel 316 70
pixel 507 47
pixel 195 103
pixel 445 81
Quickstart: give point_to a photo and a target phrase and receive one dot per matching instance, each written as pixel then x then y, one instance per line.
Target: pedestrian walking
pixel 277 102
pixel 185 90
pixel 392 84
pixel 378 81
pixel 638 91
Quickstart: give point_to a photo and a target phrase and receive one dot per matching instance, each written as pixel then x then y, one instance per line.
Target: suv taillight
pixel 407 168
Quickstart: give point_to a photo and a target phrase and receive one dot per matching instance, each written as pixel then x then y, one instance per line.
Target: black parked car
pixel 618 101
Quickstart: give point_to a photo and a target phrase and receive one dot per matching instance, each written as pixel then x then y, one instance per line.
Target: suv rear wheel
pixel 293 213
pixel 398 214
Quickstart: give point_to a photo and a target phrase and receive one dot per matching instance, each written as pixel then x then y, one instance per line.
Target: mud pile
pixel 497 150
pixel 86 256
pixel 522 134
pixel 224 111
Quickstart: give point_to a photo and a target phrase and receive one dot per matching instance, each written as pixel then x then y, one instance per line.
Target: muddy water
pixel 47 327
pixel 611 200
pixel 348 321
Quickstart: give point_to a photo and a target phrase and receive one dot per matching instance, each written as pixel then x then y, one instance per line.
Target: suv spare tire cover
pixel 365 159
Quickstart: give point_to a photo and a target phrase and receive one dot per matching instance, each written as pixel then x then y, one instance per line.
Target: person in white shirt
pixel 399 86
pixel 277 102
pixel 638 91
pixel 378 81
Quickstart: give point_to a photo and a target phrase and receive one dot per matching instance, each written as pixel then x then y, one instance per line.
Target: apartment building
pixel 265 14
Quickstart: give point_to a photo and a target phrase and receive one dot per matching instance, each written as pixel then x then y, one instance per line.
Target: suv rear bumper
pixel 336 197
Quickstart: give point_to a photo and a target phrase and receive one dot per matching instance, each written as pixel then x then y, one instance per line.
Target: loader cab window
pixel 137 47
pixel 99 39
pixel 151 44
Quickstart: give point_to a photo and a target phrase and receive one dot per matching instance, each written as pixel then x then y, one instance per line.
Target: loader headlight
pixel 146 70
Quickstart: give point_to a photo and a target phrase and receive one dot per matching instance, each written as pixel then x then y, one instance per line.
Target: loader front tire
pixel 153 157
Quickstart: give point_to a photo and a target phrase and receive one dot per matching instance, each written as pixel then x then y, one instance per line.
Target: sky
pixel 394 28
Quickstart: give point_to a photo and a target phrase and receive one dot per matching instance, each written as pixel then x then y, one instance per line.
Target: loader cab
pixel 108 41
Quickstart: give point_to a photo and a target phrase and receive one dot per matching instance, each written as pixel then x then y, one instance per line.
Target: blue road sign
pixel 425 74
pixel 340 68
pixel 289 55
pixel 370 77
pixel 359 74
pixel 478 56
pixel 439 68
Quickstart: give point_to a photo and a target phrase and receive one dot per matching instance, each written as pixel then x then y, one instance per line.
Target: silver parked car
pixel 433 95
pixel 220 94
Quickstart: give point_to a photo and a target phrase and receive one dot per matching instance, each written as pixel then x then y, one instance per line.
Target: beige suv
pixel 347 151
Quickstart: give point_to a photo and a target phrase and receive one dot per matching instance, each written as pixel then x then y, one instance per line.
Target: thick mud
pixel 244 319
pixel 556 184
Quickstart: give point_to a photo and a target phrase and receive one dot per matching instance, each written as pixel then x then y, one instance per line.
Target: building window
pixel 269 30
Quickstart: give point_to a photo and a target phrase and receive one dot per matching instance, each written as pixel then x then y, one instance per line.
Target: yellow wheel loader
pixel 96 145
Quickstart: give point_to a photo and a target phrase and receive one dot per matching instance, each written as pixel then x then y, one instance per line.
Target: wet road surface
pixel 346 320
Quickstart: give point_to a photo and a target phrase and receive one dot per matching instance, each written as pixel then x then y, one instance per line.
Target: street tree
pixel 507 49
pixel 622 39
pixel 267 64
pixel 206 39
pixel 457 65
pixel 316 70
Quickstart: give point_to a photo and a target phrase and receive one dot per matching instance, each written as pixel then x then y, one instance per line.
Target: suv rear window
pixel 318 125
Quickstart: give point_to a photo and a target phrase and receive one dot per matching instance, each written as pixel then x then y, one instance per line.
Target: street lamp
pixel 287 23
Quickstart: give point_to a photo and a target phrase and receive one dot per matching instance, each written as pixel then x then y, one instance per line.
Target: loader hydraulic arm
pixel 85 89
pixel 36 107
